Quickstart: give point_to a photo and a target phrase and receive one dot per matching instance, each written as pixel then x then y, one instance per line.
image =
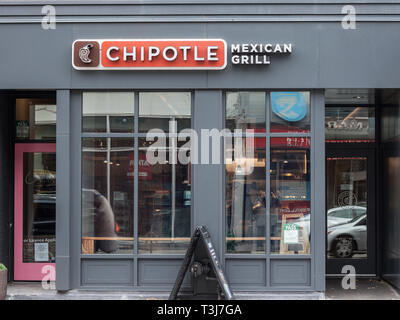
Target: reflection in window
pixel 107 195
pixel 349 124
pixel 164 200
pixel 245 199
pixel 36 119
pixel 245 110
pixel 157 109
pixel 107 112
pixel 346 203
pixel 290 111
pixel 290 195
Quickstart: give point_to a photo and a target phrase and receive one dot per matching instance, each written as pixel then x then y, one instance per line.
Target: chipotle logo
pixel 86 54
pixel 201 54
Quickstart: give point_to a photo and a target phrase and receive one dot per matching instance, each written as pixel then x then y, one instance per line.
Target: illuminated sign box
pixel 196 54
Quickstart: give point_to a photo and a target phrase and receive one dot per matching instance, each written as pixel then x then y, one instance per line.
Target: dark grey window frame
pixel 136 257
pixel 317 161
pixel 72 265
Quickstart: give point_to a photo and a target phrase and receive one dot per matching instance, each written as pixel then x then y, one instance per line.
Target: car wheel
pixel 343 247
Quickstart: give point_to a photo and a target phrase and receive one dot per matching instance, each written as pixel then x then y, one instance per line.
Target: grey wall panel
pixel 318 220
pixel 324 56
pixel 196 10
pixel 207 178
pixel 284 71
pixel 63 187
pixel 348 56
pixel 75 188
pixel 290 272
pixel 241 272
pixel 32 57
pixel 107 272
pixel 153 272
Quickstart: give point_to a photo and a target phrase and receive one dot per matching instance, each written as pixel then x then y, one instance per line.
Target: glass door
pixel 350 202
pixel 34 209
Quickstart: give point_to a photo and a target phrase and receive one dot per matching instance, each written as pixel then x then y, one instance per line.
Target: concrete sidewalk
pixel 34 291
pixel 366 289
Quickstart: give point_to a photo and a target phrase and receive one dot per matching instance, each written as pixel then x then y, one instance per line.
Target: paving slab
pixel 366 289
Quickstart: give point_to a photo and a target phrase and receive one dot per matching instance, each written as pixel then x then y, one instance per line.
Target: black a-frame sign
pixel 205 263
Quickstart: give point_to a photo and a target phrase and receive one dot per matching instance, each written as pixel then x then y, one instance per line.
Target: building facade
pixel 312 89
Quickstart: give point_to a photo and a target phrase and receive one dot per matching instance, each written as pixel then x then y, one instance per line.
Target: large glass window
pixel 268 156
pixel 349 124
pixel 290 199
pixel 245 198
pixel 164 200
pixel 107 112
pixel 35 119
pixel 158 109
pixel 290 111
pixel 349 96
pixel 107 195
pixel 349 115
pixel 346 203
pixel 245 110
pixel 115 158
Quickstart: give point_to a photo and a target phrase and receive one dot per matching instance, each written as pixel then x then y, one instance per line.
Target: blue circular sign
pixel 289 106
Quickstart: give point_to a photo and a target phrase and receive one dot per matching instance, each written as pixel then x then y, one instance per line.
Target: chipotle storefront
pixel 165 121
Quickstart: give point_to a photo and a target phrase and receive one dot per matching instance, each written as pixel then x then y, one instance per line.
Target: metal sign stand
pixel 205 266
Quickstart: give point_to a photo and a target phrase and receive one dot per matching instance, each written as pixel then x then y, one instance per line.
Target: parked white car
pixel 344 214
pixel 348 238
pixel 335 216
